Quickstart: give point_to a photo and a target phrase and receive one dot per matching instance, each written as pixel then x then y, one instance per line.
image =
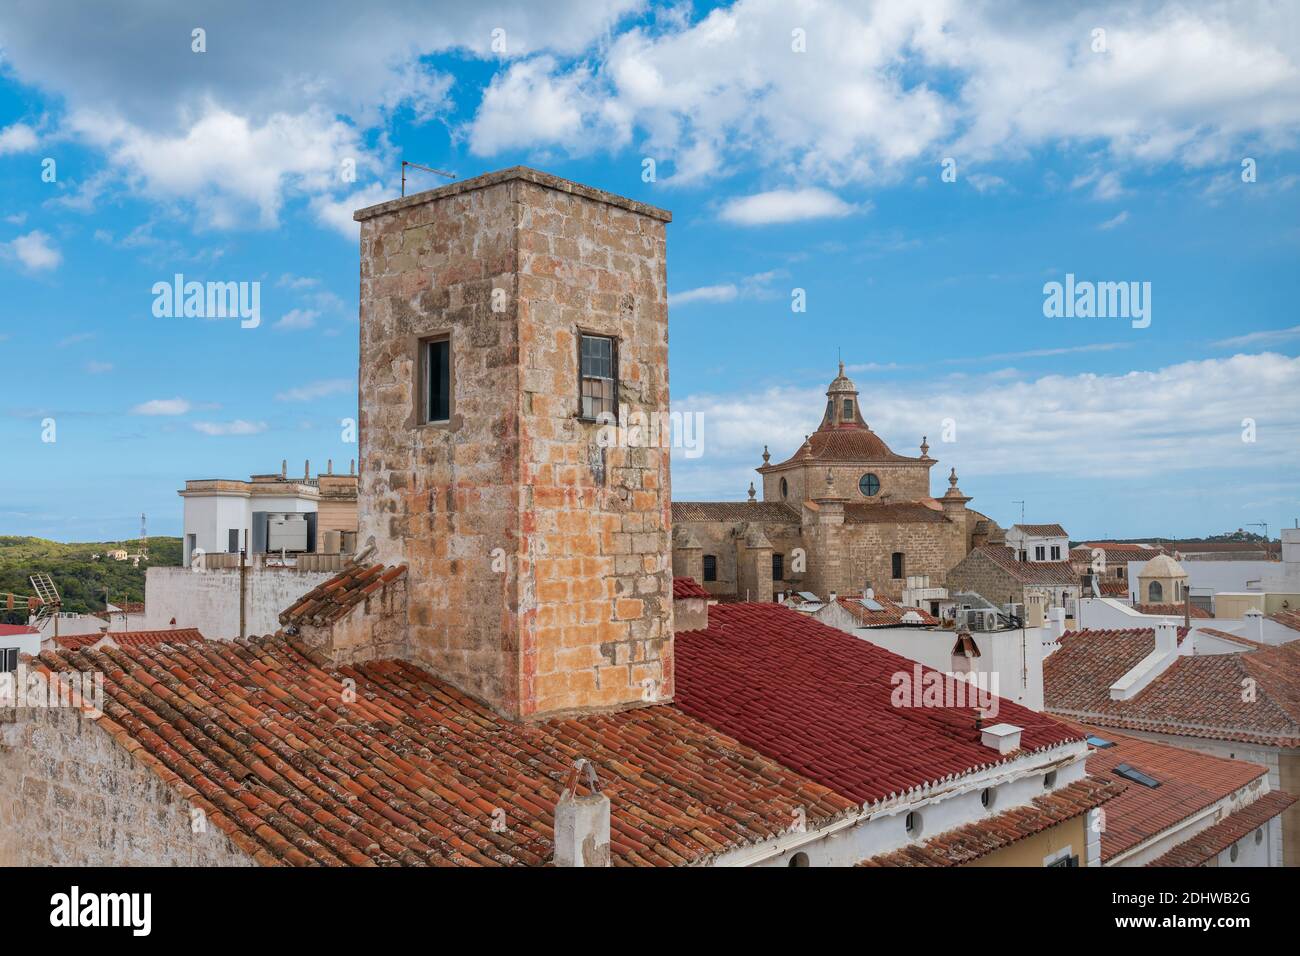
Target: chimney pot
pixel 1167 636
pixel 582 823
pixel 1004 738
pixel 832 601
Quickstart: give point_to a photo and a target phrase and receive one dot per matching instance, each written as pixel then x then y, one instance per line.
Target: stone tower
pixel 511 324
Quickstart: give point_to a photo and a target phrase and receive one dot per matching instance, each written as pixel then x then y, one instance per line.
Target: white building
pixel 1039 542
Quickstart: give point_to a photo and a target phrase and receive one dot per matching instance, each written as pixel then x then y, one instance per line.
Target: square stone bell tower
pixel 510 324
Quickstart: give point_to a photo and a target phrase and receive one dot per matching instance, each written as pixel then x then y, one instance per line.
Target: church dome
pixel 843 435
pixel 1162 566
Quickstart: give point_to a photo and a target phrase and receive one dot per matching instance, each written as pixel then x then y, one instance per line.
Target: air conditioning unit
pixel 978 619
pixel 286 532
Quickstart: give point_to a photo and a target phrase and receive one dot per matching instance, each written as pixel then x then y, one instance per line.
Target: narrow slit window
pixel 437 363
pixel 598 359
pixel 897 562
pixel 710 567
pixel 848 410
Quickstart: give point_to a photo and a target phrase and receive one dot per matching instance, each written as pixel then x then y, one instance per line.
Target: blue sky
pixel 1114 158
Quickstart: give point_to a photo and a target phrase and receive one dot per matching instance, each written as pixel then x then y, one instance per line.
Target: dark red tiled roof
pixel 846 442
pixel 688 588
pixel 1043 530
pixel 262 736
pixel 1112 587
pixel 8 630
pixel 765 511
pixel 819 701
pixel 1189 783
pixel 1212 841
pixel 336 597
pixel 968 843
pixel 891 612
pixel 1289 619
pixel 1059 573
pixel 1197 696
pixel 900 512
pixel 1171 610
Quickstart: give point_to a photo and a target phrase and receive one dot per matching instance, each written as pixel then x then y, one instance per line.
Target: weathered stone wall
pixel 927 549
pixel 374 629
pixel 977 573
pixel 539 578
pixel 70 796
pixel 209 600
pixel 718 538
pixel 899 481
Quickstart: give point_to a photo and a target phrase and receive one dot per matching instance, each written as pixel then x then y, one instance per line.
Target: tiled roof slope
pixel 258 734
pixel 175 635
pixel 1212 841
pixel 818 700
pixel 688 588
pixel 1043 530
pixel 771 511
pixel 1171 610
pixel 891 612
pixel 1112 587
pixel 847 442
pixel 332 600
pixel 1029 572
pixel 968 843
pixel 1189 783
pixel 1198 696
pixel 1289 619
pixel 900 512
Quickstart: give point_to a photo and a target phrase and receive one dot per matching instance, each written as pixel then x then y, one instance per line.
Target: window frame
pixel 874 478
pixel 420 410
pixel 709 567
pixel 778 566
pixel 583 333
pixel 898 565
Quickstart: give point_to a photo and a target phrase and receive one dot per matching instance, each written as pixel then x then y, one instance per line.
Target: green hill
pixel 81 579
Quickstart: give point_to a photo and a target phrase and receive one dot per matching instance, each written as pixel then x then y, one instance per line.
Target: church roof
pixel 847 442
pixel 1162 566
pixel 773 511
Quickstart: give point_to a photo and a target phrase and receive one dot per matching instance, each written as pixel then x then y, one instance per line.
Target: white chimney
pixel 1004 738
pixel 1167 637
pixel 1256 617
pixel 582 823
pixel 868 593
pixel 832 600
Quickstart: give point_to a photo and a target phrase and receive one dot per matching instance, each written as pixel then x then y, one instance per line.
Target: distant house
pixel 996 573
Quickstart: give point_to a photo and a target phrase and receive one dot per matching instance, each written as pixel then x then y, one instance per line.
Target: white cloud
pixel 315 390
pixel 1166 411
pixel 1263 337
pixel 708 293
pixel 1116 220
pixel 295 320
pixel 36 251
pixel 986 183
pixel 18 138
pixel 98 368
pixel 785 205
pixel 162 406
pixel 237 427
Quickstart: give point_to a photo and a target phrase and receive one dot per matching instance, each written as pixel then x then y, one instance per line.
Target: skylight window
pixel 1101 743
pixel 1137 776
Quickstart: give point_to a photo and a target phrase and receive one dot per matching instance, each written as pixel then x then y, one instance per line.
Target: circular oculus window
pixel 869 485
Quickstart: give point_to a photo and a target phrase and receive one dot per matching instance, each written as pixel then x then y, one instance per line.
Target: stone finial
pixel 925 447
pixel 751 493
pixel 952 479
pixel 766 455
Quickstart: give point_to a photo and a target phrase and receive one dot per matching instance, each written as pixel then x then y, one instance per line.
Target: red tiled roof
pixel 262 737
pixel 1289 619
pixel 1171 610
pixel 1212 841
pixel 901 512
pixel 846 442
pixel 688 588
pixel 768 511
pixel 1197 696
pixel 968 843
pixel 1189 783
pixel 1059 573
pixel 819 701
pixel 1110 587
pixel 1043 530
pixel 8 630
pixel 175 635
pixel 336 597
pixel 1229 636
pixel 891 614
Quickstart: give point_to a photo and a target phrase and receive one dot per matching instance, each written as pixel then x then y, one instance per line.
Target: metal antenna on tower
pixel 427 169
pixel 1022 510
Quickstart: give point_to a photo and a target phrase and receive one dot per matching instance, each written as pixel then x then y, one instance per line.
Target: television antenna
pixel 1022 510
pixel 427 169
pixel 45 604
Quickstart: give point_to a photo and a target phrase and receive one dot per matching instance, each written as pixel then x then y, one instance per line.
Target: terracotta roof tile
pixel 1189 783
pixel 1289 619
pixel 846 442
pixel 818 700
pixel 332 600
pixel 1212 841
pixel 298 768
pixel 968 843
pixel 175 635
pixel 1029 572
pixel 890 615
pixel 1198 696
pixel 688 588
pixel 768 511
pixel 1043 530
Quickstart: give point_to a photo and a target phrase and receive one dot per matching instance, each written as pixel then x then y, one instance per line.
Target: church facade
pixel 843 513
